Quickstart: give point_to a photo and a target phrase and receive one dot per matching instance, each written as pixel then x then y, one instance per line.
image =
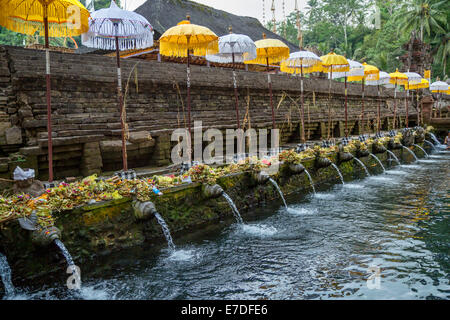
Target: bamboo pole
pixel 48 95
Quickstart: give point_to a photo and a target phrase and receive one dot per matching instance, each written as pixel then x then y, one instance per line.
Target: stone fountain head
pixel 212 191
pixel 260 177
pixel 344 156
pixel 144 210
pixel 408 137
pixel 419 135
pixel 378 148
pixel 296 168
pixel 39 236
pixel 44 237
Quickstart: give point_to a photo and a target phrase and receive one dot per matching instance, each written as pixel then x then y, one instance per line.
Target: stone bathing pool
pixel 325 246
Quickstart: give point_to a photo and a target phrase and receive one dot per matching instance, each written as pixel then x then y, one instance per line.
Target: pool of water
pixel 393 227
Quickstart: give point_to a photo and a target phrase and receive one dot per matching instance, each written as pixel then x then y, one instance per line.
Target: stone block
pixel 140 136
pixel 13 135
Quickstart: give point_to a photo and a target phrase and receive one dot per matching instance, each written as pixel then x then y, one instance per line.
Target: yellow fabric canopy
pixel 177 40
pixel 422 85
pixel 307 69
pixel 334 62
pixel 66 18
pixel 398 78
pixel 371 73
pixel 272 49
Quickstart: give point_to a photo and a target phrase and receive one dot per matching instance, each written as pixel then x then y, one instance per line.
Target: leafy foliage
pixel 373 31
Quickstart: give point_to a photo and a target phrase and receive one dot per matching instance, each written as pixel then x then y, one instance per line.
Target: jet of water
pixel 426 154
pixel 339 172
pixel 435 139
pixel 362 165
pixel 394 156
pixel 65 252
pixel 311 182
pixel 279 191
pixel 5 274
pixel 432 145
pixel 166 231
pixel 409 150
pixel 236 213
pixel 378 160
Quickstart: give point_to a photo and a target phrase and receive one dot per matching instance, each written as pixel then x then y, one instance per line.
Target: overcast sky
pixel 252 8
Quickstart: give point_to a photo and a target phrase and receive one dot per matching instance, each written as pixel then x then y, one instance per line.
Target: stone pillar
pixel 427 108
pixel 161 155
pixel 91 162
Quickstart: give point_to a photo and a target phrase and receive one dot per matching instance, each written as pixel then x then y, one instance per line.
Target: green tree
pixel 422 14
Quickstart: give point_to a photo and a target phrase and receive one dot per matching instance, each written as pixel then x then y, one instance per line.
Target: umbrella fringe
pixel 31 27
pixel 180 49
pixel 124 44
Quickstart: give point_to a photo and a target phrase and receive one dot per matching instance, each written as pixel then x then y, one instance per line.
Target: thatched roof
pixel 164 14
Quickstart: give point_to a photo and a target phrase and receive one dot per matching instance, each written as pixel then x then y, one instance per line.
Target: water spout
pixel 311 182
pixel 65 252
pixel 378 160
pixel 362 165
pixel 426 154
pixel 409 150
pixel 339 172
pixel 70 263
pixel 236 213
pixel 432 145
pixel 5 274
pixel 435 139
pixel 166 231
pixel 394 156
pixel 279 191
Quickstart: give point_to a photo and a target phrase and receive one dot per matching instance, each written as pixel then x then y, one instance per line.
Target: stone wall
pixel 86 126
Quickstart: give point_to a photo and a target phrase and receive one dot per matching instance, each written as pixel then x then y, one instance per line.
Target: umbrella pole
pixel 419 109
pixel 407 107
pixel 236 97
pixel 395 105
pixel 329 104
pixel 48 97
pixel 438 105
pixel 362 109
pixel 303 104
pixel 271 94
pixel 189 102
pixel 121 107
pixel 379 111
pixel 346 109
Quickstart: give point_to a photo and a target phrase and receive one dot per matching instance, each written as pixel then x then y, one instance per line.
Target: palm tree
pixel 422 14
pixel 441 49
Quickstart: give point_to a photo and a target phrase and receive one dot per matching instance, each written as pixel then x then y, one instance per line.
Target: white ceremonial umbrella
pixel 356 70
pixel 116 29
pixel 234 48
pixel 439 87
pixel 305 62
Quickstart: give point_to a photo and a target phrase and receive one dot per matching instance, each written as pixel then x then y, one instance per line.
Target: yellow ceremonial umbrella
pixel 397 78
pixel 371 73
pixel 270 51
pixel 180 41
pixel 337 63
pixel 50 18
pixel 304 62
